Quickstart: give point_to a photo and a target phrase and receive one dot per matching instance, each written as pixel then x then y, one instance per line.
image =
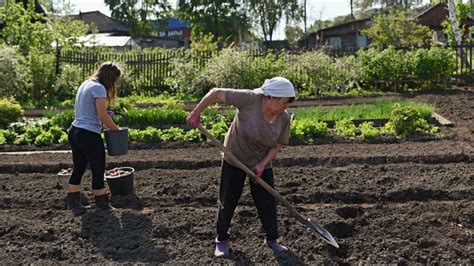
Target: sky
pixel 316 9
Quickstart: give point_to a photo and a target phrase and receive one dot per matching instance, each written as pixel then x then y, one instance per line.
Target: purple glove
pixel 110 113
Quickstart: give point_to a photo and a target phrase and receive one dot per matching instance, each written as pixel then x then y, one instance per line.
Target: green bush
pixel 406 121
pixel 62 120
pixel 10 112
pixel 431 66
pixel 187 77
pixel 13 74
pixel 382 69
pixel 68 82
pixel 43 77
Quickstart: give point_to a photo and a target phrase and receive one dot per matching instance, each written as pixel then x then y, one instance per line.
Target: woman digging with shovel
pixel 260 128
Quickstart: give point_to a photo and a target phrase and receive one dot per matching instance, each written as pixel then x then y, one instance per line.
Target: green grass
pixel 163 100
pixel 380 109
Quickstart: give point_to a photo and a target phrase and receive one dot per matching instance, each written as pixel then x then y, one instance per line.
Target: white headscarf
pixel 278 87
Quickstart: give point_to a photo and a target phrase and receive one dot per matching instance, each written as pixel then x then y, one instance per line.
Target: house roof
pixel 105 39
pixel 104 23
pixel 435 15
pixel 342 25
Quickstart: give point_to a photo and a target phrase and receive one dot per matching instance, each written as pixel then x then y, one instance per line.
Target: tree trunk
pixel 457 33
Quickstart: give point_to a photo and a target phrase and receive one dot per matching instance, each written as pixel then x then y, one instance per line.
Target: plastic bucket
pixel 63 178
pixel 116 141
pixel 122 183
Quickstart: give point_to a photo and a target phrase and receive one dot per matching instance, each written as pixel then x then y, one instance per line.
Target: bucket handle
pixel 113 113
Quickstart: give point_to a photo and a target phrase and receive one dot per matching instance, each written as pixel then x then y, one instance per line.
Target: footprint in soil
pixel 122 238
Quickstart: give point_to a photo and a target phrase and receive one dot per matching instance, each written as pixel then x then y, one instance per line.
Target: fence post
pixel 58 58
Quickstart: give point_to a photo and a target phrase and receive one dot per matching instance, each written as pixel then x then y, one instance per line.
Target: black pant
pixel 87 148
pixel 231 186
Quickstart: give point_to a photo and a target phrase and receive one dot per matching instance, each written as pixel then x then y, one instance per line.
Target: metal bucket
pixel 116 141
pixel 121 184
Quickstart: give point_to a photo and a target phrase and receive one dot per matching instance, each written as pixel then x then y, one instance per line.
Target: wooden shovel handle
pixel 251 174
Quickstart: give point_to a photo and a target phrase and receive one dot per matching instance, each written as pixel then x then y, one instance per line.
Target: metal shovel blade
pixel 322 232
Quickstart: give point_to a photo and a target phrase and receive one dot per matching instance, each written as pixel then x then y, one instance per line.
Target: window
pixel 335 42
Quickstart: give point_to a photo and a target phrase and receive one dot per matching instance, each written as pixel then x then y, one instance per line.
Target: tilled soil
pixel 407 202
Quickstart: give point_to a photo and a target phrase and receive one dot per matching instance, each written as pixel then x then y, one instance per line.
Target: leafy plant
pixel 406 121
pixel 308 128
pixel 9 136
pixel 219 130
pixel 193 135
pixel 151 134
pixel 368 131
pixel 173 133
pixel 62 120
pixel 346 128
pixel 44 139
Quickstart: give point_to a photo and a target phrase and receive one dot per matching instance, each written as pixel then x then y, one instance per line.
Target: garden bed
pixel 402 202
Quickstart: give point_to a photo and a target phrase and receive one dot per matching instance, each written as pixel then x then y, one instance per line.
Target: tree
pixel 319 24
pixel 221 18
pixel 268 14
pixel 137 14
pixel 293 34
pixel 364 5
pixel 27 29
pixel 396 29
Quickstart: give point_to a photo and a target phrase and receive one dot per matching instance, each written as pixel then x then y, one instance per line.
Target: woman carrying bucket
pixel 260 128
pixel 84 136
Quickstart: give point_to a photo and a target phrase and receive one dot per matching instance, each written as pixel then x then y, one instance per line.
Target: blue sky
pixel 317 9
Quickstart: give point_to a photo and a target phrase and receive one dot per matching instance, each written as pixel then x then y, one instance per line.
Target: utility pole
pixel 304 24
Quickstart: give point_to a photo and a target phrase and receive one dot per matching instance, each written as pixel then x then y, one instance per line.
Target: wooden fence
pixel 151 69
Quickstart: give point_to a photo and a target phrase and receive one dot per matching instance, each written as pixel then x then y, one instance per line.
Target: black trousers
pixel 87 148
pixel 231 186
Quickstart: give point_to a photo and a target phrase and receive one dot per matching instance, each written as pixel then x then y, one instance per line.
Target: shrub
pixel 187 77
pixel 68 82
pixel 62 120
pixel 382 69
pixel 406 121
pixel 43 76
pixel 13 74
pixel 10 112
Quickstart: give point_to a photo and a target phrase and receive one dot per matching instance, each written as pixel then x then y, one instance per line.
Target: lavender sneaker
pixel 222 249
pixel 275 246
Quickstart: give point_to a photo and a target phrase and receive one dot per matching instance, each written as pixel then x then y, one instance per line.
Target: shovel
pixel 306 222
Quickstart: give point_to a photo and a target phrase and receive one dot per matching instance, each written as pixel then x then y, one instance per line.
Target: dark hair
pixel 107 74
